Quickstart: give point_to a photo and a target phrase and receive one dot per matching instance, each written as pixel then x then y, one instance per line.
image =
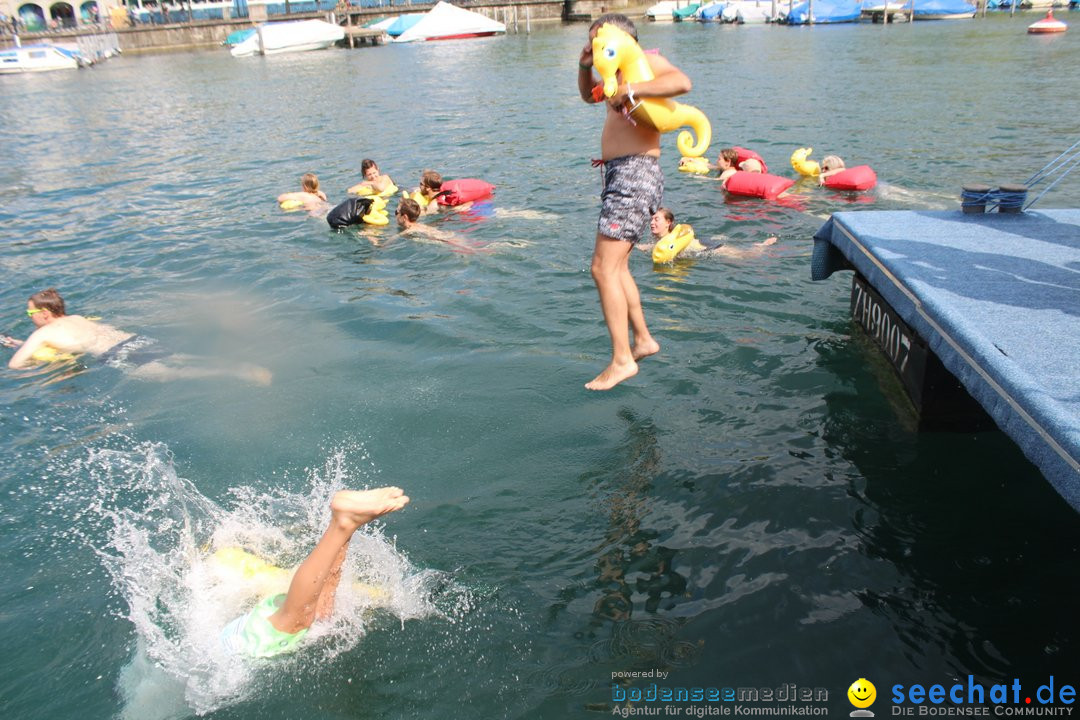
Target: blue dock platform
pixel 995 297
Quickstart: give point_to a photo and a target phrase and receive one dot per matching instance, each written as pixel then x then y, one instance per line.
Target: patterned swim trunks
pixel 633 192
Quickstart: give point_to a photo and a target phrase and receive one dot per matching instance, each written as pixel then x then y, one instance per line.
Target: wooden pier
pixel 359 35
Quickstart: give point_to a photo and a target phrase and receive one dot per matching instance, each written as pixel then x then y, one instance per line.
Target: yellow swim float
pixel 695 165
pixel 803 166
pixel 237 565
pixel 418 196
pixel 46 354
pixel 365 190
pixel 669 246
pixel 377 214
pixel 290 205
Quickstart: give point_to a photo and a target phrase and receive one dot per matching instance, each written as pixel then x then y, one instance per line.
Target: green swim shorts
pixel 254 636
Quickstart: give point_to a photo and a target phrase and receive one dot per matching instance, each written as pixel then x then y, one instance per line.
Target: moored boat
pixel 449 22
pixel 684 13
pixel 37 58
pixel 663 11
pixel 943 10
pixel 288 37
pixel 825 11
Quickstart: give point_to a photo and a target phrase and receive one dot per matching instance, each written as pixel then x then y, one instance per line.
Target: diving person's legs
pixel 311 593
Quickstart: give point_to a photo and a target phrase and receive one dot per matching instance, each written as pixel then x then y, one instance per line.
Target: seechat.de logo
pixel 862 695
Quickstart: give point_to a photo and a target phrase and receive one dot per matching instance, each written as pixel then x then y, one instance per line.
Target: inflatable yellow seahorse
pixel 806 168
pixel 668 247
pixel 614 50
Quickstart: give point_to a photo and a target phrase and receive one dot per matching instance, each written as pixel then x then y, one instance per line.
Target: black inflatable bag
pixel 350 212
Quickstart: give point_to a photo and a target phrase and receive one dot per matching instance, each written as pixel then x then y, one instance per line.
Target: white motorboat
pixel 37 58
pixel 662 11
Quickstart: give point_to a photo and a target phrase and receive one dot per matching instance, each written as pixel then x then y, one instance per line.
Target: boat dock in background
pixel 994 298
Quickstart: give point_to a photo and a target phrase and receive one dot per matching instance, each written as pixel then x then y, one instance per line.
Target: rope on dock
pixel 1064 164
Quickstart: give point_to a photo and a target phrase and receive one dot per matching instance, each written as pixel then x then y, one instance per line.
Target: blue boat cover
pixel 826 11
pixel 997 298
pixel 712 12
pixel 943 7
pixel 238 36
pixel 403 23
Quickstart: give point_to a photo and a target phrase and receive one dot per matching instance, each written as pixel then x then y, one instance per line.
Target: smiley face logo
pixel 862 693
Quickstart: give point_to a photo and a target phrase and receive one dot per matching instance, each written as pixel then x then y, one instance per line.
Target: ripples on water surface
pixel 753 509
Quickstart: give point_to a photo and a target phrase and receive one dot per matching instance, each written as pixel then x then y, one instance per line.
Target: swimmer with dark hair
pixel 374 182
pixel 663 222
pixel 408 218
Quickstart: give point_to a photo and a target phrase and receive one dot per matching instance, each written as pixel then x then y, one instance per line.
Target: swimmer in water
pixel 663 222
pixel 278 623
pixel 830 165
pixel 430 188
pixel 408 218
pixel 373 179
pixel 310 197
pixel 143 357
pixel 726 162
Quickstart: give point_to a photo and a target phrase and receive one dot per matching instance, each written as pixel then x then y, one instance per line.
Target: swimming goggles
pixel 30 313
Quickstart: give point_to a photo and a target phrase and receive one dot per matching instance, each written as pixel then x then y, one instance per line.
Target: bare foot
pixel 645 348
pixel 353 508
pixel 768 241
pixel 613 375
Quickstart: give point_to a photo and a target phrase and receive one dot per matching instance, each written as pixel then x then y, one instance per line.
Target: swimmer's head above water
pixel 407 213
pixel 310 183
pixel 369 169
pixel 45 306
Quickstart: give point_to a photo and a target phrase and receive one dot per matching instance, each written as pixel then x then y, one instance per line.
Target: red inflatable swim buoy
pixel 860 177
pixel 463 190
pixel 745 154
pixel 759 185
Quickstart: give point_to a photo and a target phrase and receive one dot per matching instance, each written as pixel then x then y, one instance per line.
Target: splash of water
pixel 161 532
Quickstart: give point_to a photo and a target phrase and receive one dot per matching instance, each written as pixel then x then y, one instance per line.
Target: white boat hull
pixel 35 58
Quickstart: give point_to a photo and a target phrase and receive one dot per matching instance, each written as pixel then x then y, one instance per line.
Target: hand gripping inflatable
pixel 370 210
pixel 668 247
pixel 858 178
pixel 615 50
pixel 463 190
pixel 804 166
pixel 759 185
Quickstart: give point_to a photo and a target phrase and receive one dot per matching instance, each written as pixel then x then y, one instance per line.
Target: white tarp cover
pixel 286 36
pixel 445 20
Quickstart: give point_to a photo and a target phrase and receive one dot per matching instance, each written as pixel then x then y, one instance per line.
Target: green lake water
pixel 754 509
